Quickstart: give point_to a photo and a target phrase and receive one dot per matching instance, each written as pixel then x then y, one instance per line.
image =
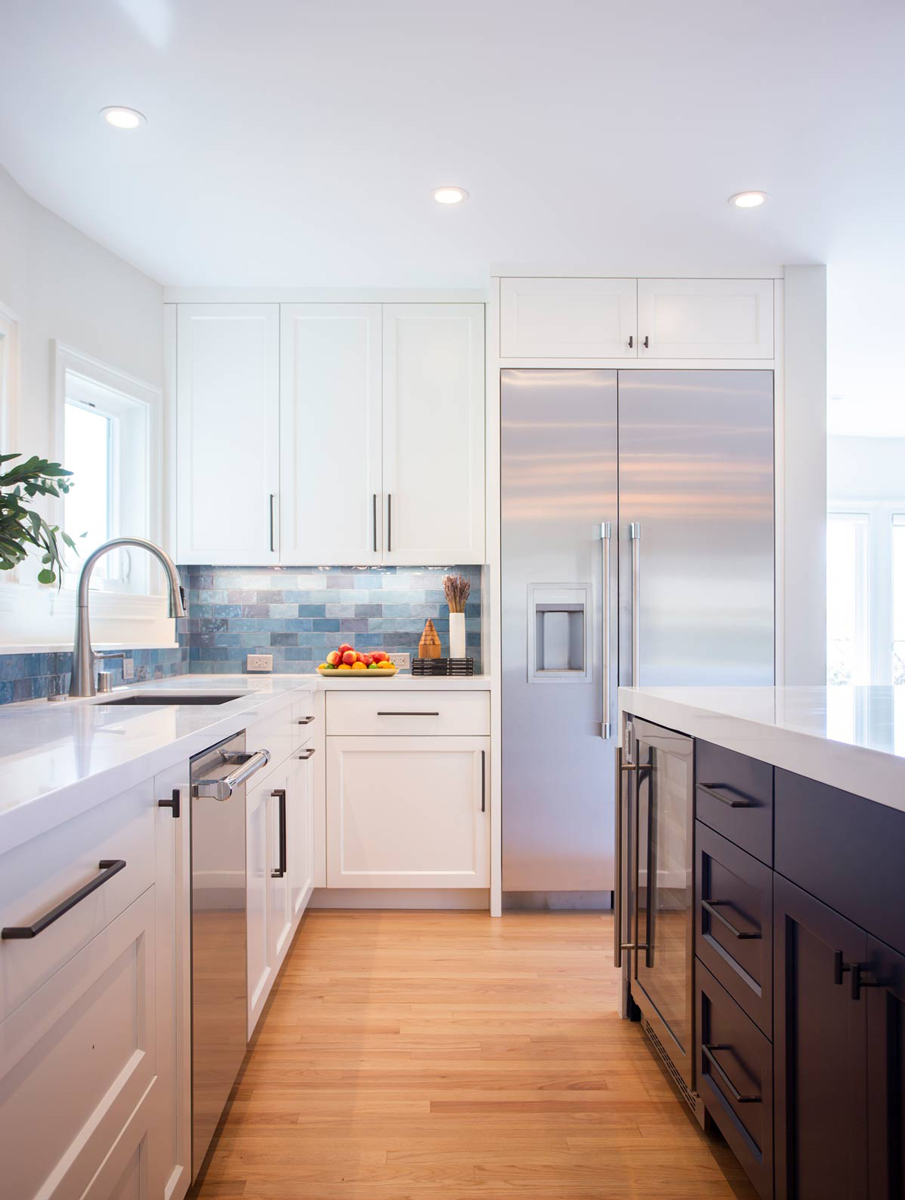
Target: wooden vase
pixel 429 646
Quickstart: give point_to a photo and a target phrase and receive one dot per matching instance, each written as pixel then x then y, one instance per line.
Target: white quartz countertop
pixel 58 759
pixel 851 738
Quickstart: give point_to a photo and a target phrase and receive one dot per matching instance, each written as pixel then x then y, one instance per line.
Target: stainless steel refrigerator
pixel 637 547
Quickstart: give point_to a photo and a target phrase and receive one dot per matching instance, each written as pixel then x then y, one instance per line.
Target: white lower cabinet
pixel 300 831
pixel 408 812
pixel 76 1061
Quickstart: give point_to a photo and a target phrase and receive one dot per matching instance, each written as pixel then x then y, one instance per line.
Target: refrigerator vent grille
pixel 691 1099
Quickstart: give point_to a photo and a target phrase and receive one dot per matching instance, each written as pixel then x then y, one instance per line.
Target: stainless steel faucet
pixel 83 656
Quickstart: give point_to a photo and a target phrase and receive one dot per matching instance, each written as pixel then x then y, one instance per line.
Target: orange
pixel 344 667
pixel 359 666
pixel 384 665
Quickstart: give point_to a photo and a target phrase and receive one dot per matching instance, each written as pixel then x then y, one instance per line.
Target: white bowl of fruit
pixel 347 663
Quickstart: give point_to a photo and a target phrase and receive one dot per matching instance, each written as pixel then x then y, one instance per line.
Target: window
pixel 107 422
pixel 866 593
pixel 847 621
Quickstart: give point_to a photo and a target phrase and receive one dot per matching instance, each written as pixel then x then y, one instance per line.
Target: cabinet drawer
pixel 844 849
pixel 280 733
pixel 735 1078
pixel 734 922
pixel 77 1059
pixel 41 874
pixel 407 714
pixel 734 796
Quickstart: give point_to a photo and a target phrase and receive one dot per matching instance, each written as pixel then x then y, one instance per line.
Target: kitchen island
pixel 761 922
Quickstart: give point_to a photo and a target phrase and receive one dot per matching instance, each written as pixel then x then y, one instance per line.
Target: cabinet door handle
pixel 740 800
pixel 305 755
pixel 272 497
pixel 108 868
pixel 856 971
pixel 172 804
pixel 389 522
pixel 374 518
pixel 646 342
pixel 483 781
pixel 631 341
pixel 710 906
pixel 304 720
pixel 280 794
pixel 708 1052
pixel 408 714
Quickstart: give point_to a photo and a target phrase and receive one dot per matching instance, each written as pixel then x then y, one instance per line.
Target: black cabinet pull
pixel 483 781
pixel 172 804
pixel 306 754
pixel 304 720
pixel 108 866
pixel 739 800
pixel 855 971
pixel 631 341
pixel 646 342
pixel 280 794
pixel 708 1052
pixel 408 714
pixel 710 906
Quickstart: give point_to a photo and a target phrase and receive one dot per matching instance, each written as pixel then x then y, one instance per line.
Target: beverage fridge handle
pixel 631 770
pixel 634 533
pixel 605 535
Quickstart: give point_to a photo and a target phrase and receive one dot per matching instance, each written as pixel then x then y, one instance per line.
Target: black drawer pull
pixel 739 800
pixel 710 906
pixel 108 866
pixel 306 754
pixel 304 720
pixel 408 714
pixel 708 1052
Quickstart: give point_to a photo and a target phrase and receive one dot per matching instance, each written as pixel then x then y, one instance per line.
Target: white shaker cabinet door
pixel 330 434
pixel 407 812
pixel 705 318
pixel 227 433
pixel 433 433
pixel 568 318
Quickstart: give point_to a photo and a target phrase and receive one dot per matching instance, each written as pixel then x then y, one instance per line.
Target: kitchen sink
pixel 162 698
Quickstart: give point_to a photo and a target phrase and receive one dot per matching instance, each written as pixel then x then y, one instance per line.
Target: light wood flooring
pixel 450 1056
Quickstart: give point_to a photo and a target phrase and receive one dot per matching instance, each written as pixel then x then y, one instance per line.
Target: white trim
pixel 491 594
pixel 411 898
pixel 9 380
pixel 779 492
pixel 593 271
pixel 331 295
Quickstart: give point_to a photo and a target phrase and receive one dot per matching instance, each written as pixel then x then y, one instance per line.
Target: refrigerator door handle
pixel 606 634
pixel 634 533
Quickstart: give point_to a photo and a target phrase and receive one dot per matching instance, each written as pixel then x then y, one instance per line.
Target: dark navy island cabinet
pixel 800 942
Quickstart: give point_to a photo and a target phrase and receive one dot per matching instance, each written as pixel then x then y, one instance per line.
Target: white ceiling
pixel 294 142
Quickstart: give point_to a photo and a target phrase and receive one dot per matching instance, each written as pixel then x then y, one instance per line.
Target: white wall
pixel 61 285
pixel 865 468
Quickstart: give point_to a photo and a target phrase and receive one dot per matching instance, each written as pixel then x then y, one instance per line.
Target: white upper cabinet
pixel 227 429
pixel 705 318
pixel 330 434
pixel 568 318
pixel 433 433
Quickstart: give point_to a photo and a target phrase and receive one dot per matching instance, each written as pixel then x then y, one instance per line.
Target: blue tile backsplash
pixel 299 614
pixel 296 614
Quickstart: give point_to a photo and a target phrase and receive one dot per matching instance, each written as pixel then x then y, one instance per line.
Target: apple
pixel 378 656
pixel 344 647
pixel 367 659
pixel 334 658
pixel 349 657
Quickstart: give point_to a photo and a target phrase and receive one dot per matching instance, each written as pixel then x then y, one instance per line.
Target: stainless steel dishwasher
pixel 219 987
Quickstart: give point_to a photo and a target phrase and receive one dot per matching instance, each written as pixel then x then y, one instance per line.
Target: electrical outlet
pixel 259 662
pixel 128 668
pixel 402 661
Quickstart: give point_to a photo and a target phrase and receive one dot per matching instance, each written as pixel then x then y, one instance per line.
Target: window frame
pixel 880 515
pixel 126 398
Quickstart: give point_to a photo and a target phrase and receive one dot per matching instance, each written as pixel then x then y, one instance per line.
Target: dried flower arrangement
pixel 456 588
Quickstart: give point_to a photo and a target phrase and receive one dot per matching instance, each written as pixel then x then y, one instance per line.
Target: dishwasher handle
pixel 222 789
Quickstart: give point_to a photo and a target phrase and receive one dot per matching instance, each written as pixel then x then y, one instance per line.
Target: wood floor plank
pixel 449 1056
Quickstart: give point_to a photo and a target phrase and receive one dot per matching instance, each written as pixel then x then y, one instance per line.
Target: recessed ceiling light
pixel 449 195
pixel 748 199
pixel 123 118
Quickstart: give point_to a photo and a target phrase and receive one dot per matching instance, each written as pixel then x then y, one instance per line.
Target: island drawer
pixel 734 796
pixel 735 1078
pixel 734 922
pixel 845 850
pixel 398 713
pixel 53 869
